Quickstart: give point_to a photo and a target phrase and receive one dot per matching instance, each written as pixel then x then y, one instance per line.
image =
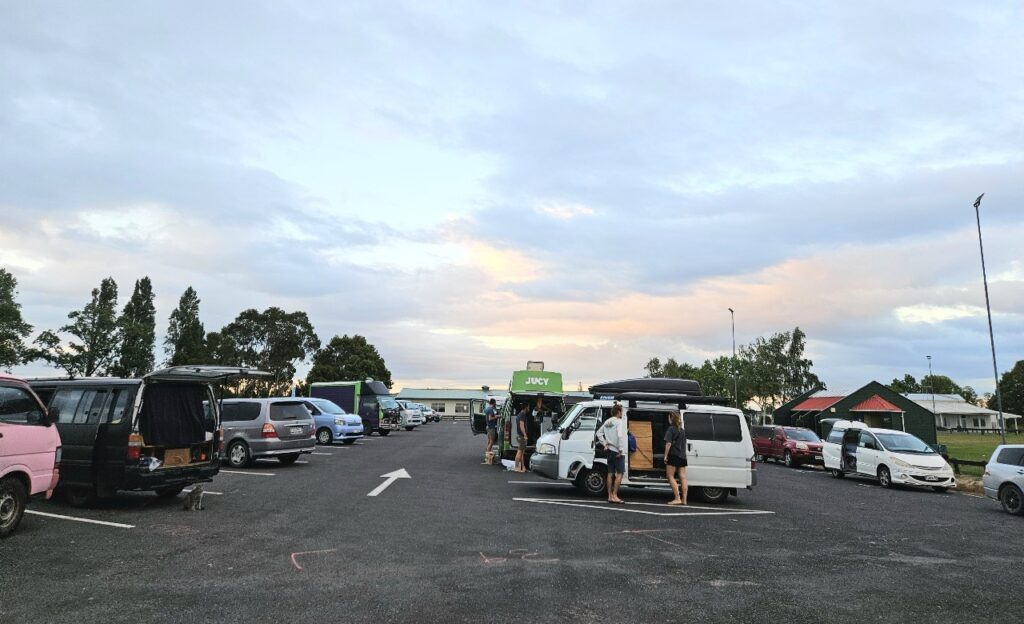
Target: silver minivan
pixel 265 428
pixel 1004 477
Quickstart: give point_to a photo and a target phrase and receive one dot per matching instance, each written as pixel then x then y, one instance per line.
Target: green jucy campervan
pixel 526 388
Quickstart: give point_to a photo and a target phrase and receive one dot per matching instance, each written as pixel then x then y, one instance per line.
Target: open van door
pixel 477 420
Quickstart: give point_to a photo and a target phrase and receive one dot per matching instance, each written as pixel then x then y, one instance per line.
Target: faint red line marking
pixel 308 552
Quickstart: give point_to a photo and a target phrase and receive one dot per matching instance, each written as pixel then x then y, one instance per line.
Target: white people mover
pixel 892 457
pixel 719 449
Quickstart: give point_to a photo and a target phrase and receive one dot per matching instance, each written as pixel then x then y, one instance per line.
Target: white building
pixel 448 401
pixel 953 412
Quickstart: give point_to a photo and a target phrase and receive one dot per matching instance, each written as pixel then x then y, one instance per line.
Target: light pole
pixel 931 382
pixel 988 307
pixel 735 382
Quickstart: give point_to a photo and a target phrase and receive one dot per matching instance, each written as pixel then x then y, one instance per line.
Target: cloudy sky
pixel 586 183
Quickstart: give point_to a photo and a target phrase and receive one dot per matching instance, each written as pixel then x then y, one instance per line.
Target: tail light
pixel 753 462
pixel 134 446
pixel 268 431
pixel 56 456
pixel 220 440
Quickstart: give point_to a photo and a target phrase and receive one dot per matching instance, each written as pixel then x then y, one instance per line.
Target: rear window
pixel 1011 456
pixel 715 427
pixel 240 411
pixel 836 436
pixel 288 411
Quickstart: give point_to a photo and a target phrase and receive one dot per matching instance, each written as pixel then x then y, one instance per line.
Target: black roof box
pixel 649 385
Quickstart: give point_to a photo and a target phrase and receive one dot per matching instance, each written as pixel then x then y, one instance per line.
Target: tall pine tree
pixel 95 327
pixel 186 338
pixel 138 332
pixel 13 329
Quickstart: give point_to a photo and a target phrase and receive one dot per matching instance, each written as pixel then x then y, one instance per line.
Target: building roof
pixel 954 405
pixel 875 404
pixel 817 403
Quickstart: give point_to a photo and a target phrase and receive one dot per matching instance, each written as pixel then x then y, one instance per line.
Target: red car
pixel 793 445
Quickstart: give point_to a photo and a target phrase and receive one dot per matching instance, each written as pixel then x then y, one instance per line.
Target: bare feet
pixel 676 502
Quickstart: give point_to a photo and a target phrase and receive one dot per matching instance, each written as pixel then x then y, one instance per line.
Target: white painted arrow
pixel 391 478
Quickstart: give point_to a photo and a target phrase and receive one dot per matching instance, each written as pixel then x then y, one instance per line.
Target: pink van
pixel 29 451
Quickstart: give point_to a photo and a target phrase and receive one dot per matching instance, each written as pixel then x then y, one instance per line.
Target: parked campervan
pixel 892 457
pixel 719 450
pixel 540 392
pixel 153 433
pixel 29 452
pixel 370 399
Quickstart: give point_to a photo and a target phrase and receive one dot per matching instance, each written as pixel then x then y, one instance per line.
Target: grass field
pixel 974 447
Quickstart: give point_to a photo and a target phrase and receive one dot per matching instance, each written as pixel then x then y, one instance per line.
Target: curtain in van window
pixel 172 414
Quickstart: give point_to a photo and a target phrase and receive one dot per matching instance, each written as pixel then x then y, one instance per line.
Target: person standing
pixel 614 437
pixel 675 457
pixel 491 417
pixel 522 436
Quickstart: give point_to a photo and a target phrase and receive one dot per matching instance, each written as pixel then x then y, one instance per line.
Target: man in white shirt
pixel 615 438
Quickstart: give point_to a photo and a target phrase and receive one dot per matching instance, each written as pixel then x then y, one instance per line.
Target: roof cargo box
pixel 650 385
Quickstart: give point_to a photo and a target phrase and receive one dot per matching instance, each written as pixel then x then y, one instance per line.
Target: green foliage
pixel 13 329
pixel 95 326
pixel 271 341
pixel 186 338
pixel 138 333
pixel 939 384
pixel 769 371
pixel 348 358
pixel 1011 387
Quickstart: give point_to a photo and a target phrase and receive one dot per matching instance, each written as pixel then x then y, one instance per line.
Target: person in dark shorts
pixel 675 457
pixel 522 437
pixel 491 416
pixel 615 439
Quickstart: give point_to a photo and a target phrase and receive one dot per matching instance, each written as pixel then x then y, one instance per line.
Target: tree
pixel 907 385
pixel 13 329
pixel 186 339
pixel 138 333
pixel 1011 388
pixel 271 341
pixel 939 384
pixel 95 327
pixel 348 358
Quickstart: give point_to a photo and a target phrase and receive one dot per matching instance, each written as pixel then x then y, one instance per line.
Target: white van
pixel 892 457
pixel 719 450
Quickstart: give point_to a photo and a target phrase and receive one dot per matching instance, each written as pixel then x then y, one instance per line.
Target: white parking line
pixel 302 462
pixel 246 472
pixel 676 511
pixel 116 525
pixel 207 492
pixel 560 483
pixel 323 454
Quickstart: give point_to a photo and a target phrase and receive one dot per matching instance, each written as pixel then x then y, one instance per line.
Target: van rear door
pixel 291 420
pixel 719 449
pixel 477 420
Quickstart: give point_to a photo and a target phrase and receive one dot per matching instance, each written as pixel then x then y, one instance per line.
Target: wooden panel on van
pixel 643 457
pixel 177 457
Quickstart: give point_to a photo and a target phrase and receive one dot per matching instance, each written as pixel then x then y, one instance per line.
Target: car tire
pixel 593 482
pixel 1012 500
pixel 884 477
pixel 289 459
pixel 787 459
pixel 347 441
pixel 838 474
pixel 941 489
pixel 81 496
pixel 170 491
pixel 324 437
pixel 238 455
pixel 384 432
pixel 714 495
pixel 409 428
pixel 13 499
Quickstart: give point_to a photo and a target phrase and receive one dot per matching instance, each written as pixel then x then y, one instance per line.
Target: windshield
pixel 328 407
pixel 904 443
pixel 570 416
pixel 387 403
pixel 802 435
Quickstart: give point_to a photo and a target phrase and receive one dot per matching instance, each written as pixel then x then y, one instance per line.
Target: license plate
pixel 817 457
pixel 297 430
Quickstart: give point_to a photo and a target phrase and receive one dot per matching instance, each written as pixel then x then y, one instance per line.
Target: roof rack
pixel 682 400
pixel 662 385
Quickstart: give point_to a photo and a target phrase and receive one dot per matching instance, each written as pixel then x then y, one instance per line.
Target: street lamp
pixel 735 382
pixel 988 307
pixel 931 382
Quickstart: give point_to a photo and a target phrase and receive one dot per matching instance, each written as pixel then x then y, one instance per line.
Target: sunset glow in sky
pixel 472 185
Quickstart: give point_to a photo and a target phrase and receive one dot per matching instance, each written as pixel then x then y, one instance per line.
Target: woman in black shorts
pixel 675 457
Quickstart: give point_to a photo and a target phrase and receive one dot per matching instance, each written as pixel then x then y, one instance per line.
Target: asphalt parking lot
pixel 463 542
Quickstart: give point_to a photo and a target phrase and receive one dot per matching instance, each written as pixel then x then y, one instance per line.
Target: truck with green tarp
pixel 527 387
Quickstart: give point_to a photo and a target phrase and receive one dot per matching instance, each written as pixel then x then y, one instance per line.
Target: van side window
pixel 867 441
pixel 65 402
pixel 118 405
pixel 698 426
pixel 240 411
pixel 1011 456
pixel 90 407
pixel 713 427
pixel 590 419
pixel 836 436
pixel 727 428
pixel 18 407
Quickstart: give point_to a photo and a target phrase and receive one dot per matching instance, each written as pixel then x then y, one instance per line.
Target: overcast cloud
pixel 586 183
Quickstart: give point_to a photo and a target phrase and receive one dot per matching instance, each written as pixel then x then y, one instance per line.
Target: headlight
pixel 801 446
pixel 339 421
pixel 546 449
pixel 901 463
